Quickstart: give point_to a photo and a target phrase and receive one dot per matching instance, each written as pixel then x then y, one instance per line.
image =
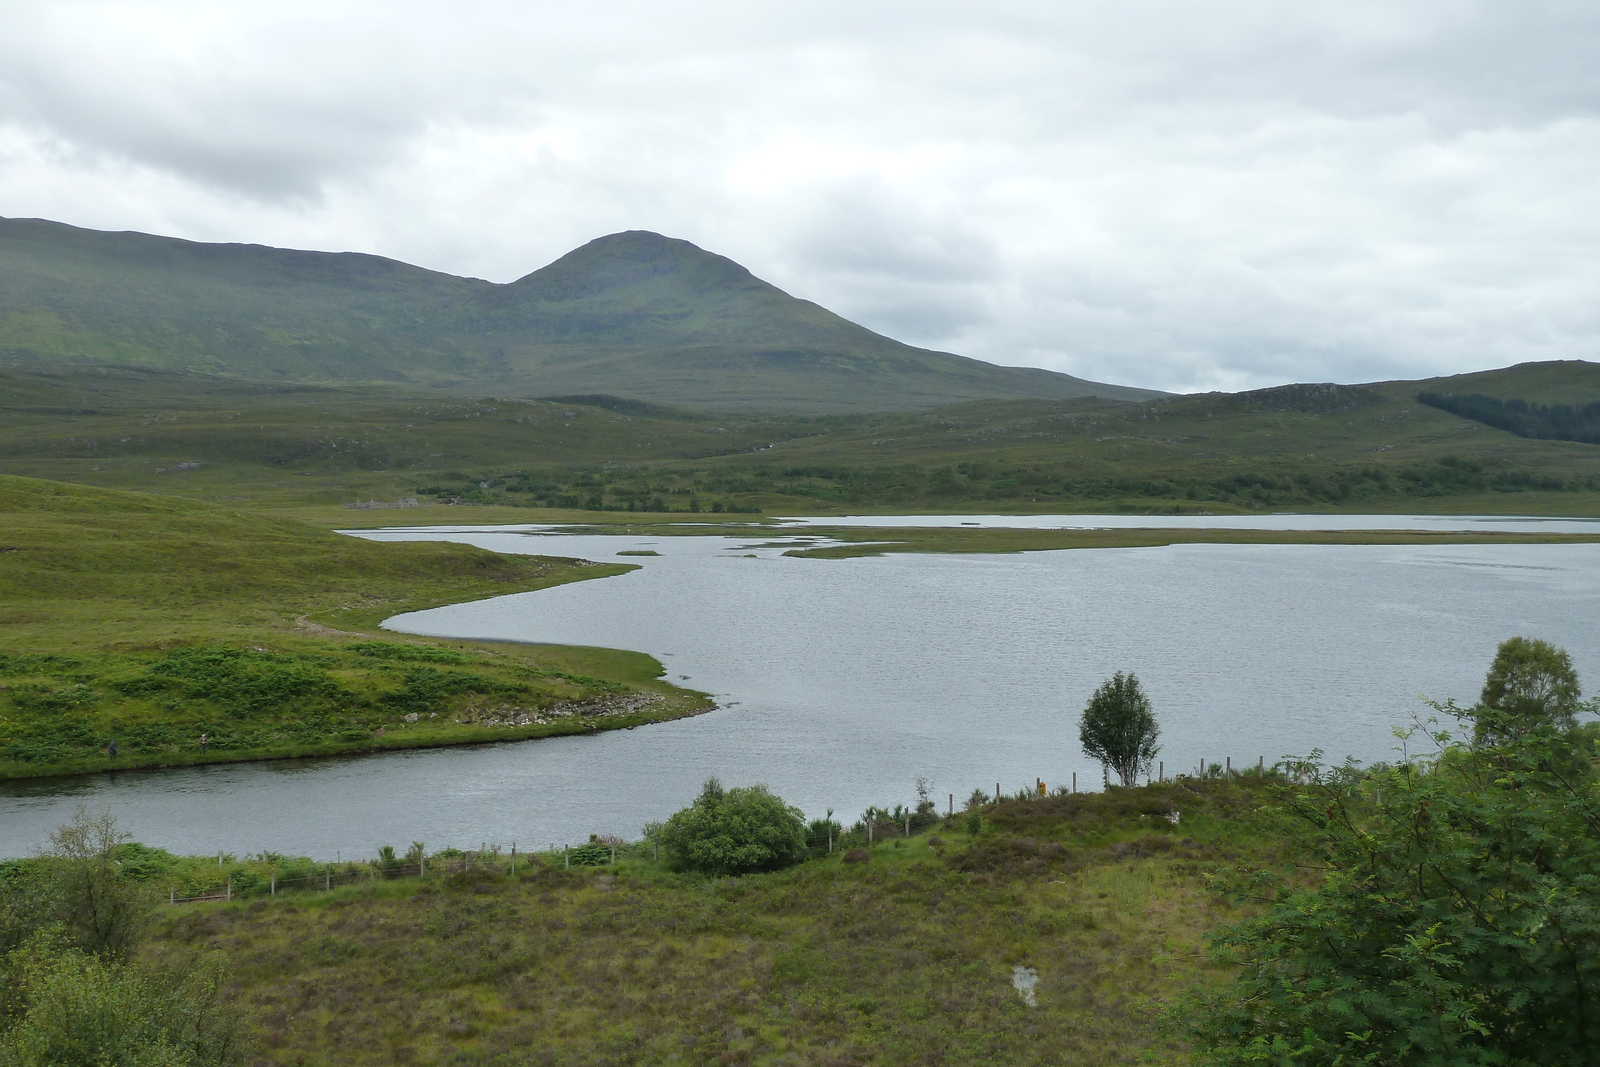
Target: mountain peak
pixel 631 258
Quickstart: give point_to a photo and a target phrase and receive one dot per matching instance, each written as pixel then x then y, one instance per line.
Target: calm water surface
pixel 842 681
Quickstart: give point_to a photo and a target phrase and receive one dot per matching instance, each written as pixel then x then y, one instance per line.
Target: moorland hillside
pixel 634 314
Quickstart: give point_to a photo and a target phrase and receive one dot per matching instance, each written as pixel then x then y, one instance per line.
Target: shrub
pixel 1455 921
pixel 73 1009
pixel 390 650
pixel 243 680
pixel 734 831
pixel 593 854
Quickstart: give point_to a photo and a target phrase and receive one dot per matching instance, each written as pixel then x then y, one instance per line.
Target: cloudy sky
pixel 1154 192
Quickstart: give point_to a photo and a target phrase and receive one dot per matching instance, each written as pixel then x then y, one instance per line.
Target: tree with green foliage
pixel 101 911
pixel 734 831
pixel 69 920
pixel 1119 729
pixel 1454 917
pixel 1530 683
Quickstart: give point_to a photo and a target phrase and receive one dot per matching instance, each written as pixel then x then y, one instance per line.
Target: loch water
pixel 841 682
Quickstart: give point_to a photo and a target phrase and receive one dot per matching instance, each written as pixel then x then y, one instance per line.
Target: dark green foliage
pixel 649 489
pixel 141 862
pixel 1531 684
pixel 100 910
pixel 735 831
pixel 593 854
pixel 426 689
pixel 1456 920
pixel 1119 729
pixel 68 1008
pixel 245 681
pixel 413 653
pixel 30 900
pixel 1552 422
pixel 69 920
pixel 35 663
pixel 822 835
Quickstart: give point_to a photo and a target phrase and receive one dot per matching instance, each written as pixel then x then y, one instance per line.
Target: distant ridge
pixel 634 315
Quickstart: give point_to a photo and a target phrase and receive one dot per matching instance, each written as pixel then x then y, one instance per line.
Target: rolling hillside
pixel 631 314
pixel 1292 446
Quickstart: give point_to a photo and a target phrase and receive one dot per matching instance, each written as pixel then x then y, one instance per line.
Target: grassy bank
pixel 150 621
pixel 905 957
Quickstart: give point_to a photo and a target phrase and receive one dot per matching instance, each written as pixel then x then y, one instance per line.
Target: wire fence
pixel 242 882
pixel 824 835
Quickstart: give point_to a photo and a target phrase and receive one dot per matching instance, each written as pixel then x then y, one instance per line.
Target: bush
pixel 72 1009
pixel 593 854
pixel 1455 922
pixel 734 831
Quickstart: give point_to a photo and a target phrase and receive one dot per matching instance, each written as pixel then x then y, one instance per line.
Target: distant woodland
pixel 1544 422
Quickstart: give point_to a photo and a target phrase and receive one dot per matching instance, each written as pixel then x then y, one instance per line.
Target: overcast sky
pixel 1162 193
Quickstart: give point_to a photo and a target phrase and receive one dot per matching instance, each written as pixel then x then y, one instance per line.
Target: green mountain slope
pixel 632 314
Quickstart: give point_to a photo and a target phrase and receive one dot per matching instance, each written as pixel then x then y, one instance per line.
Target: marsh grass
pixel 865 541
pixel 905 958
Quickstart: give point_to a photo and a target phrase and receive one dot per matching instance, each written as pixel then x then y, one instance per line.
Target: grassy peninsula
pixel 869 541
pixel 150 621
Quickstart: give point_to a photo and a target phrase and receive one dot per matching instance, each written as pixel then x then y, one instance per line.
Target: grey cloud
pixel 1152 191
pixel 862 227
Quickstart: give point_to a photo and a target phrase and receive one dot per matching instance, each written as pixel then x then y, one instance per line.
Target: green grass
pixel 1304 448
pixel 906 958
pixel 150 621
